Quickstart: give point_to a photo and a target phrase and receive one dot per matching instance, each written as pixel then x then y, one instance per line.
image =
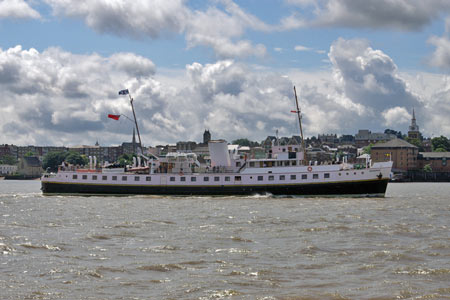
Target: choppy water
pixel 258 247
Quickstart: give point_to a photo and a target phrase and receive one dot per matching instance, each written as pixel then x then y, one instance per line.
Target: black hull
pixel 369 187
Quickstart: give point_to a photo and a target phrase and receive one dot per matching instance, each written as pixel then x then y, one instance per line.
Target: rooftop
pixel 435 154
pixel 395 143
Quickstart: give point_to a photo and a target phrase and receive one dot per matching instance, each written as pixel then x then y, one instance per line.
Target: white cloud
pixel 441 55
pixel 63 98
pixel 126 18
pixel 436 111
pixel 302 48
pixel 391 14
pixel 17 9
pixel 220 29
pixel 396 116
pixel 363 90
pixel 369 76
pixel 60 97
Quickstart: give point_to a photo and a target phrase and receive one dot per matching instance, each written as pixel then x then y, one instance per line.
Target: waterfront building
pixel 8 169
pixel 30 167
pixel 403 154
pixel 438 161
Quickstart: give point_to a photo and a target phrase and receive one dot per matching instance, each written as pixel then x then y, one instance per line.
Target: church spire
pixel 414 128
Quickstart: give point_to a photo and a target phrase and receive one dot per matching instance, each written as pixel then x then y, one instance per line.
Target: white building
pixel 8 169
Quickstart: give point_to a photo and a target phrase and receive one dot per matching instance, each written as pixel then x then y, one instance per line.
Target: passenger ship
pixel 285 171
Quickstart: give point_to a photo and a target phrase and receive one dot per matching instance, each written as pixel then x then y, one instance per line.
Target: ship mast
pixel 135 122
pixel 299 115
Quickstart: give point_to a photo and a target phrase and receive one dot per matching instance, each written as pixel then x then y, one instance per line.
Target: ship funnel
pixel 218 150
pixel 90 162
pixel 95 162
pixel 134 161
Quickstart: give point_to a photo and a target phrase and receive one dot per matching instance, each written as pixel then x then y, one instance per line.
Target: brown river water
pixel 258 247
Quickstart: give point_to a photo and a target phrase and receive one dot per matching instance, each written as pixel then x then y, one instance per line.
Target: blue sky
pixel 222 65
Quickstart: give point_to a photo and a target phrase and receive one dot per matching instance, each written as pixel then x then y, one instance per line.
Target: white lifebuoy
pixel 309 169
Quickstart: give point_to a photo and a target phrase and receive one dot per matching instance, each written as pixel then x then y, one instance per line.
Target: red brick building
pixel 438 161
pixel 403 154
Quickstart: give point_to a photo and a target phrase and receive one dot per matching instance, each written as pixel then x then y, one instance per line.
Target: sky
pixel 222 65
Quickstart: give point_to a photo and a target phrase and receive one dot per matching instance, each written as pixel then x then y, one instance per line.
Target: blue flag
pixel 123 92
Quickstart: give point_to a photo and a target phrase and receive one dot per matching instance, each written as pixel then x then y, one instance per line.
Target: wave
pixel 44 247
pixel 162 267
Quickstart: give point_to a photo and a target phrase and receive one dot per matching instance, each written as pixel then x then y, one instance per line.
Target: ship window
pixel 293 177
pixel 279 163
pixel 362 172
pixel 94 177
pixel 74 176
pixel 286 163
pixel 340 174
pixel 172 178
pixel 294 162
pixel 104 177
pixel 136 178
pixel 304 176
pixel 124 178
pixel 271 178
pixel 237 178
pixel 260 178
pixel 315 176
pixel 182 178
pixel 252 164
pixel 205 178
pixel 193 178
pixel 114 178
pixel 282 177
pixel 148 178
pixel 238 164
pixel 84 176
pixel 217 178
pixel 326 175
pixel 227 178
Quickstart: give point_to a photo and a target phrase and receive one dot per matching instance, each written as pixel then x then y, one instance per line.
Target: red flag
pixel 294 111
pixel 115 117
